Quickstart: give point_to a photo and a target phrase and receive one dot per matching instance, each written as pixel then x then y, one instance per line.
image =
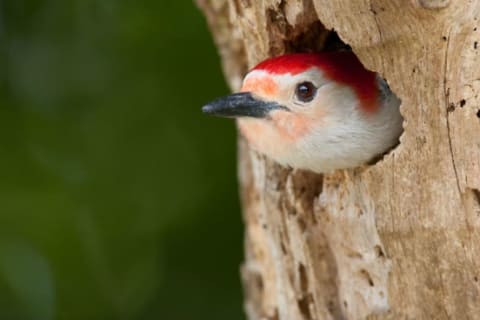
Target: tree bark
pixel 395 240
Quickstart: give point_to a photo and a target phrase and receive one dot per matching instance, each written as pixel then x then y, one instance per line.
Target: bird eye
pixel 305 91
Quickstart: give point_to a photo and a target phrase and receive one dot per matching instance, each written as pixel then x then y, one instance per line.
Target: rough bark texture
pixel 396 240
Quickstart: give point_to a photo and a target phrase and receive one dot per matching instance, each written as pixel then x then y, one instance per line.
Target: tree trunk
pixel 395 240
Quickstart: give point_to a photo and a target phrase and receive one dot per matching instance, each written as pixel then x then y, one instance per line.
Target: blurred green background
pixel 118 197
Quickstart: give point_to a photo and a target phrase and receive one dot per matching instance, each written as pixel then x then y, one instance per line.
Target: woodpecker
pixel 314 111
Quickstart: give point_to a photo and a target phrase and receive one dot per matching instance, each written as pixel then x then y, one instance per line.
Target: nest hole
pixel 316 38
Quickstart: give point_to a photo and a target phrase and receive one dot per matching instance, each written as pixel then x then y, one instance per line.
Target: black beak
pixel 241 104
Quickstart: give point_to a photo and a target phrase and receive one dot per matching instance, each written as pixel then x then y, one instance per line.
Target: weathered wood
pixel 396 240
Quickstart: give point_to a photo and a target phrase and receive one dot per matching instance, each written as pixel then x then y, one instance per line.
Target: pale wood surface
pixel 396 240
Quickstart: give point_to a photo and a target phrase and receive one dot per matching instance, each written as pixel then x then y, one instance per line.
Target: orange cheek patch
pixel 259 134
pixel 291 126
pixel 264 86
pixel 264 137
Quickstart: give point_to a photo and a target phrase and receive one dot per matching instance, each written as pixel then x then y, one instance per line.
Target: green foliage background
pixel 118 197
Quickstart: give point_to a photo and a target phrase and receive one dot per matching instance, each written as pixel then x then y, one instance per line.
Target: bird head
pixel 316 111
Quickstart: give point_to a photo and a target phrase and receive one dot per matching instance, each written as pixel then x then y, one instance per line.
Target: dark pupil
pixel 305 91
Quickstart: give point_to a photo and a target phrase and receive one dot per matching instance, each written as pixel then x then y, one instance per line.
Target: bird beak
pixel 241 104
